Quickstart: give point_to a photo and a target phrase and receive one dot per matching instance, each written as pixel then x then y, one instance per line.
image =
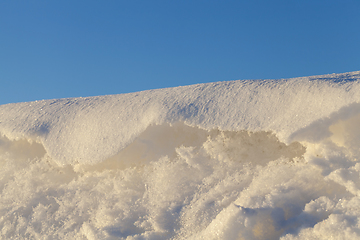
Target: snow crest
pixel 89 130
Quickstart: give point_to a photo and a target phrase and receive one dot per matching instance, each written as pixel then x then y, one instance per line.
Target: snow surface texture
pixel 247 159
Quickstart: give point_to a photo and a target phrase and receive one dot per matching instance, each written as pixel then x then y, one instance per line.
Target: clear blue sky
pixel 62 48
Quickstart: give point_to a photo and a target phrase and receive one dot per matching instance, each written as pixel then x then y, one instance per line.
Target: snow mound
pixel 247 159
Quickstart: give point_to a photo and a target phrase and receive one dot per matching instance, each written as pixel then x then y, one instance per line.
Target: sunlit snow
pixel 246 159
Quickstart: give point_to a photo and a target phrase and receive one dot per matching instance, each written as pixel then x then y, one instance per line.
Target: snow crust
pixel 246 159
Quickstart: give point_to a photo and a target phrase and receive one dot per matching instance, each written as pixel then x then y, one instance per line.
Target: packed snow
pixel 246 159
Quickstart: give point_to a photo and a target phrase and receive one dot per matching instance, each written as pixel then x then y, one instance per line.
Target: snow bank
pixel 251 159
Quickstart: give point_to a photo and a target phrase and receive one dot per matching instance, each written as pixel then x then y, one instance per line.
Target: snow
pixel 246 159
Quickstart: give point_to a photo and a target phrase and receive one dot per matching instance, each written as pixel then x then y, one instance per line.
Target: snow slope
pixel 246 159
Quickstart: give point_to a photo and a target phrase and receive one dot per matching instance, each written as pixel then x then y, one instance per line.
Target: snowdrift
pixel 246 159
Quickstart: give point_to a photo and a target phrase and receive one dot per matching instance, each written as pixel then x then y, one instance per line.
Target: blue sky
pixel 58 49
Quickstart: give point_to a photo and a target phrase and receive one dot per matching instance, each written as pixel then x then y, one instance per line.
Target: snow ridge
pixel 72 130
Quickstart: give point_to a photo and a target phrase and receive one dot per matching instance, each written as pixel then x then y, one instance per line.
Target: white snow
pixel 246 159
